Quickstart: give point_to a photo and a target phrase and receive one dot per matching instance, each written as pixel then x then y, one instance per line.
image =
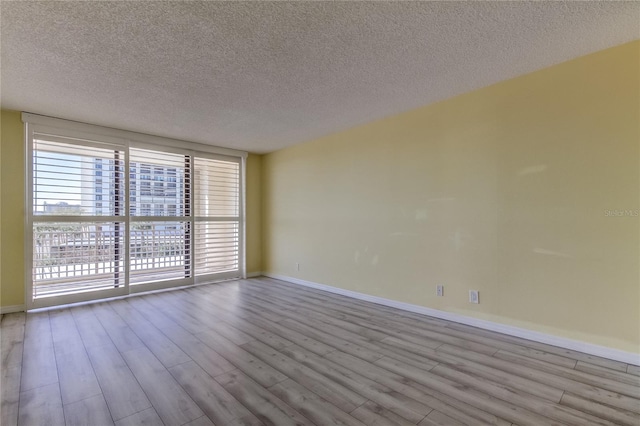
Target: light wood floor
pixel 262 351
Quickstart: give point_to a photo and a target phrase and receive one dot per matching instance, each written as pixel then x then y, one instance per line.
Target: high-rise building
pixel 154 190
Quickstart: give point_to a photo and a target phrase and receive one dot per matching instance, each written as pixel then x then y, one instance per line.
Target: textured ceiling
pixel 259 76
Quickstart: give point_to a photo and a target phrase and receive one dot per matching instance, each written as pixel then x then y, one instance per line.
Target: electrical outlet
pixel 440 290
pixel 474 296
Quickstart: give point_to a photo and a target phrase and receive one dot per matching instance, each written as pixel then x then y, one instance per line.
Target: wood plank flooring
pixel 265 352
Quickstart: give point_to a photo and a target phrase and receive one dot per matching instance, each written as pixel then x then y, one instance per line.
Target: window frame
pixel 96 136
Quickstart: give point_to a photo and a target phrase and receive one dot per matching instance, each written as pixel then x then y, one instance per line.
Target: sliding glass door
pixel 160 216
pixel 108 219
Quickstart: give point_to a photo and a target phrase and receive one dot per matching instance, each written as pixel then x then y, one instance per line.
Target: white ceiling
pixel 260 76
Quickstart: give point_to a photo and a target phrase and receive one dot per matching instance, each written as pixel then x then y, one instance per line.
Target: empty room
pixel 320 213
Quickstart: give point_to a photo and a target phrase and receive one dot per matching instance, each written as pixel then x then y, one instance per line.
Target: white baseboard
pixel 254 274
pixel 11 309
pixel 536 336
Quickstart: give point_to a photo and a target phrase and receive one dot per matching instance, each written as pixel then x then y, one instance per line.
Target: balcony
pixel 76 257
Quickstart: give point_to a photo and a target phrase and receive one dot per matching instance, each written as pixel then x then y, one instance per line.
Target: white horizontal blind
pixel 77 199
pixel 216 201
pixel 160 229
pixel 74 180
pixel 217 245
pixel 158 183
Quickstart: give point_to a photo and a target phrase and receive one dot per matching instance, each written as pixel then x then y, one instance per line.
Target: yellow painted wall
pixel 12 279
pixel 253 214
pixel 504 190
pixel 12 176
pixel 0 211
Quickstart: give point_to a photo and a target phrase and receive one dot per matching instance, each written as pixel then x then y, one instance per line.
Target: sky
pixel 57 178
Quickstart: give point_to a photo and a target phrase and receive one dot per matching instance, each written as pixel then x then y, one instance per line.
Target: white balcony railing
pixel 72 257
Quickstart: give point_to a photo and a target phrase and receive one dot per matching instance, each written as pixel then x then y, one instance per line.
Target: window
pixel 73 248
pixel 173 217
pixel 158 189
pixel 217 210
pixel 162 246
pixel 171 189
pixel 145 188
